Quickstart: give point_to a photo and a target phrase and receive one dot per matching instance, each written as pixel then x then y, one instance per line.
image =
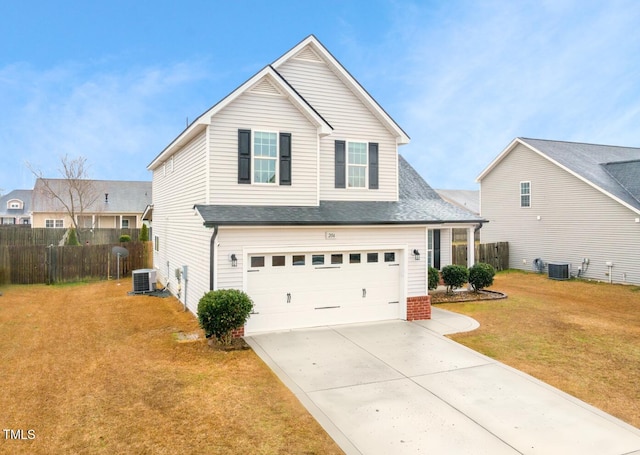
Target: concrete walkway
pixel 398 387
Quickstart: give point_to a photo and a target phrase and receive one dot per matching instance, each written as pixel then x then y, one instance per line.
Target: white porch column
pixel 471 247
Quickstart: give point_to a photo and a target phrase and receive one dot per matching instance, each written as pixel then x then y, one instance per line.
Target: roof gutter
pixel 210 224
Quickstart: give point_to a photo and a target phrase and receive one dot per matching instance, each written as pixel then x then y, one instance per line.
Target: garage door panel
pixel 307 294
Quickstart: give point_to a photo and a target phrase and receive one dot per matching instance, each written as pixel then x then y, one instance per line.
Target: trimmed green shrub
pixel 434 278
pixel 454 276
pixel 125 238
pixel 73 238
pixel 144 233
pixel 481 276
pixel 222 311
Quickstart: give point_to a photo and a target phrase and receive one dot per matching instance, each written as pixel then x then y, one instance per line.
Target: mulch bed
pixel 465 296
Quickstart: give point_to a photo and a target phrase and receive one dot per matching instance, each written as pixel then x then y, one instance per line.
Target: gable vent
pixel 265 87
pixel 308 54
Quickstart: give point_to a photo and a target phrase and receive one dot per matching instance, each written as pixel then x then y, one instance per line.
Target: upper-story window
pixel 357 165
pixel 525 194
pixel 265 157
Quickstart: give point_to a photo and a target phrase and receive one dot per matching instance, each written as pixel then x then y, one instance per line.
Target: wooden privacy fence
pixel 20 235
pixel 496 254
pixel 41 264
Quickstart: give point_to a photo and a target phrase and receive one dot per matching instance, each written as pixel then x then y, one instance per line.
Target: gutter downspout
pixel 212 258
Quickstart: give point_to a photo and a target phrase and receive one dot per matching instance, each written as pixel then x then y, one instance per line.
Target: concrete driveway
pixel 400 387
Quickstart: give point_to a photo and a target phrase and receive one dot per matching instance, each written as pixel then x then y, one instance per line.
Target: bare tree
pixel 74 193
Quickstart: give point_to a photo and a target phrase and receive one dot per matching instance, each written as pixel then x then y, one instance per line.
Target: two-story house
pixel 291 189
pixel 570 204
pixel 15 207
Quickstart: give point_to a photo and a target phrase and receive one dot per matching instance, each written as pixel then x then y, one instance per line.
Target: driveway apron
pixel 402 388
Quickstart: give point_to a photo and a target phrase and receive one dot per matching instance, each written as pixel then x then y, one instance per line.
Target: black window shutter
pixel 340 161
pixel 373 166
pixel 436 248
pixel 285 158
pixel 244 156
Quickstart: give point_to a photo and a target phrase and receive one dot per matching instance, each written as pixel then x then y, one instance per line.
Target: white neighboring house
pixel 291 189
pixel 15 207
pixel 566 203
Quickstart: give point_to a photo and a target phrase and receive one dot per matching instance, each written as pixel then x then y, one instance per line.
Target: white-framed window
pixel 156 243
pixel 356 165
pixel 265 157
pixel 125 223
pixel 525 194
pixel 429 248
pixel 14 204
pixel 53 223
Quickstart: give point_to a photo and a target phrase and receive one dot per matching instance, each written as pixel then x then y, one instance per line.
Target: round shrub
pixel 222 311
pixel 434 278
pixel 125 238
pixel 481 276
pixel 454 276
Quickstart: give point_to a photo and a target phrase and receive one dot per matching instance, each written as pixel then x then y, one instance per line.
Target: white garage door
pixel 307 289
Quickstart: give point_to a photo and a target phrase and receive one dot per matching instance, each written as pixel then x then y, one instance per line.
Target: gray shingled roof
pixel 613 169
pixel 23 195
pixel 124 196
pixel 467 199
pixel 418 204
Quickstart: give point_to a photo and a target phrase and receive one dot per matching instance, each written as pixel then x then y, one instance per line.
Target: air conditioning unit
pixel 144 280
pixel 559 270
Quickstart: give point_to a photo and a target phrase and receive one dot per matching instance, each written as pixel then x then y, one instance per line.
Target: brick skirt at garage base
pixel 418 308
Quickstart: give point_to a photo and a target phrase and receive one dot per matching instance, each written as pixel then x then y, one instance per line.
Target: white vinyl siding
pixel 568 220
pixel 349 117
pixel 259 112
pixel 180 238
pixel 234 240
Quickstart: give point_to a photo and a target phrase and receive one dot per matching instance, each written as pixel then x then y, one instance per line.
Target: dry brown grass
pixel 92 370
pixel 581 337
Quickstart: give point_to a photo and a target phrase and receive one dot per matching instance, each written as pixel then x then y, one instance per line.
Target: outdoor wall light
pixel 416 255
pixel 234 260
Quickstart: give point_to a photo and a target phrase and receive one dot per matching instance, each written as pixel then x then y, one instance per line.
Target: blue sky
pixel 116 81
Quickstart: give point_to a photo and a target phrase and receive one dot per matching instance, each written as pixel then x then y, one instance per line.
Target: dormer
pixel 15 204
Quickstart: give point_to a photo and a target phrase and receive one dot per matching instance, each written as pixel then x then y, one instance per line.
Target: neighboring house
pixel 107 204
pixel 15 207
pixel 291 189
pixel 565 202
pixel 466 199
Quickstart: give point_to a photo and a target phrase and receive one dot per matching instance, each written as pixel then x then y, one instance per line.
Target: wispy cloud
pixel 483 74
pixel 118 120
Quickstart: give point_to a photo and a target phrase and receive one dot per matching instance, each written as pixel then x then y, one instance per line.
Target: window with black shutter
pixel 340 164
pixel 244 156
pixel 285 158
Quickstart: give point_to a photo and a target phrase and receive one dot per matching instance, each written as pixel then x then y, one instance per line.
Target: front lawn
pixel 89 369
pixel 581 337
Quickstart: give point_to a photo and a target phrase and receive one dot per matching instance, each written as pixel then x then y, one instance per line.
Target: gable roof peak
pixel 312 43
